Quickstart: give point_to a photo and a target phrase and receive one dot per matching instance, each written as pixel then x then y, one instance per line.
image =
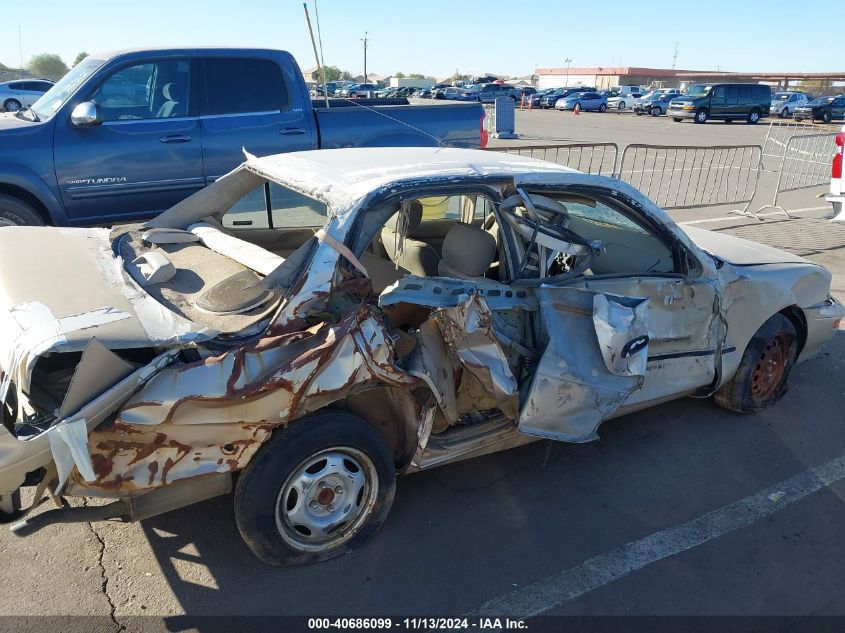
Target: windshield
pixel 781 96
pixel 821 101
pixel 55 97
pixel 698 91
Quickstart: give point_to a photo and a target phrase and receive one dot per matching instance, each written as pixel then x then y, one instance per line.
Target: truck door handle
pixel 175 138
pixel 292 131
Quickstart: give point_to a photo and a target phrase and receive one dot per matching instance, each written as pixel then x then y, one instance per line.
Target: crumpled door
pixel 595 358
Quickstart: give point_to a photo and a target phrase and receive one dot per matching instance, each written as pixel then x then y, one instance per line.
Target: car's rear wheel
pixel 761 379
pixel 16 212
pixel 11 105
pixel 827 117
pixel 701 116
pixel 753 117
pixel 656 111
pixel 602 107
pixel 315 490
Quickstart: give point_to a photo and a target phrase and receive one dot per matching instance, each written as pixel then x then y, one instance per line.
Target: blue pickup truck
pixel 126 135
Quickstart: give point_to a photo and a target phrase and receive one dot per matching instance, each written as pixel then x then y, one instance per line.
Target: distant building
pixel 605 78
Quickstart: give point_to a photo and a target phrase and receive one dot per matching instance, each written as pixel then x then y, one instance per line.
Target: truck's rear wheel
pixel 760 380
pixel 16 212
pixel 315 490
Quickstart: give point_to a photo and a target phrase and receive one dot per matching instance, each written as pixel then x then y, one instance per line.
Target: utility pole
pixel 365 56
pixel 675 56
pixel 568 61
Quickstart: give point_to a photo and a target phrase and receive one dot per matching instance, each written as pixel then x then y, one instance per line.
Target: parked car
pixel 15 95
pixel 358 90
pixel 725 102
pixel 453 93
pixel 655 105
pixel 201 109
pixel 583 101
pixel 488 93
pixel 784 103
pixel 620 102
pixel 537 96
pixel 549 99
pixel 824 109
pixel 192 351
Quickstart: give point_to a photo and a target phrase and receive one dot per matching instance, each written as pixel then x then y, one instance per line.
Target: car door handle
pixel 175 138
pixel 292 131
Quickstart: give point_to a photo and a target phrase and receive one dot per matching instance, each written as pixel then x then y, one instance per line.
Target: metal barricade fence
pixel 778 135
pixel 591 158
pixel 805 162
pixel 683 177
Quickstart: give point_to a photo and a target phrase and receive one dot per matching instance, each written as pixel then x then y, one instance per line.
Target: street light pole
pixel 568 61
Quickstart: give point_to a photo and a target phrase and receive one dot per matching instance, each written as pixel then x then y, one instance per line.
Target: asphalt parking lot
pixel 683 509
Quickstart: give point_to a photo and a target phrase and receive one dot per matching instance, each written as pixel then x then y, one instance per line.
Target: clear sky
pixel 439 36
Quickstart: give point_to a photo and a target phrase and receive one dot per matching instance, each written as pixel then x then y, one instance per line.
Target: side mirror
pixel 85 114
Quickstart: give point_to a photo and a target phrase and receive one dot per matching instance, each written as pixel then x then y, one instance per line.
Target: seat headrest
pixel 468 251
pixel 415 212
pixel 169 91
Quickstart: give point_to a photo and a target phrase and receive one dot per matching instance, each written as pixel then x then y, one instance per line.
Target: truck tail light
pixel 484 137
pixel 836 168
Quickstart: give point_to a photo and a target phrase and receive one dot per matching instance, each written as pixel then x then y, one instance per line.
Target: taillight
pixel 836 168
pixel 484 137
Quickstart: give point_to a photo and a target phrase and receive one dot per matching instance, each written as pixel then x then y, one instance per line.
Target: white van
pixel 624 91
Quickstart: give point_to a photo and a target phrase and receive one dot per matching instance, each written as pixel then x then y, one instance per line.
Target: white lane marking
pixel 762 215
pixel 600 570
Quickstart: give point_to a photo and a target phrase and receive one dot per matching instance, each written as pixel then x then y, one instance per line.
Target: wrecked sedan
pixel 313 323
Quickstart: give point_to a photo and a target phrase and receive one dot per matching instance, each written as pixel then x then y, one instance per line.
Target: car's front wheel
pixel 621 105
pixel 827 117
pixel 656 111
pixel 315 490
pixel 784 114
pixel 11 105
pixel 760 380
pixel 16 212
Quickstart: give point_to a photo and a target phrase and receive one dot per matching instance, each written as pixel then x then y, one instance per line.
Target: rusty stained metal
pixel 212 416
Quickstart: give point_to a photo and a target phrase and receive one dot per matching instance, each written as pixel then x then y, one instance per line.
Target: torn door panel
pixel 212 416
pixel 579 383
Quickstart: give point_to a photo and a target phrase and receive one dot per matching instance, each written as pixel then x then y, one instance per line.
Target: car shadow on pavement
pixel 462 534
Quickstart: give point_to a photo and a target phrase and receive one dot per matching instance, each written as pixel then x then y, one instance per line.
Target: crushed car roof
pixel 329 175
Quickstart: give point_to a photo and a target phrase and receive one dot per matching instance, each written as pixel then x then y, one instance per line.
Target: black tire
pixel 729 120
pixel 261 485
pixel 639 112
pixel 753 117
pixel 701 116
pixel 656 111
pixel 827 117
pixel 621 105
pixel 755 385
pixel 16 212
pixel 784 114
pixel 11 105
pixel 602 107
pixel 677 119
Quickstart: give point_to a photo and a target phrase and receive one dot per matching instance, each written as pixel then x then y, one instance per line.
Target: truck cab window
pixel 241 85
pixel 154 90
